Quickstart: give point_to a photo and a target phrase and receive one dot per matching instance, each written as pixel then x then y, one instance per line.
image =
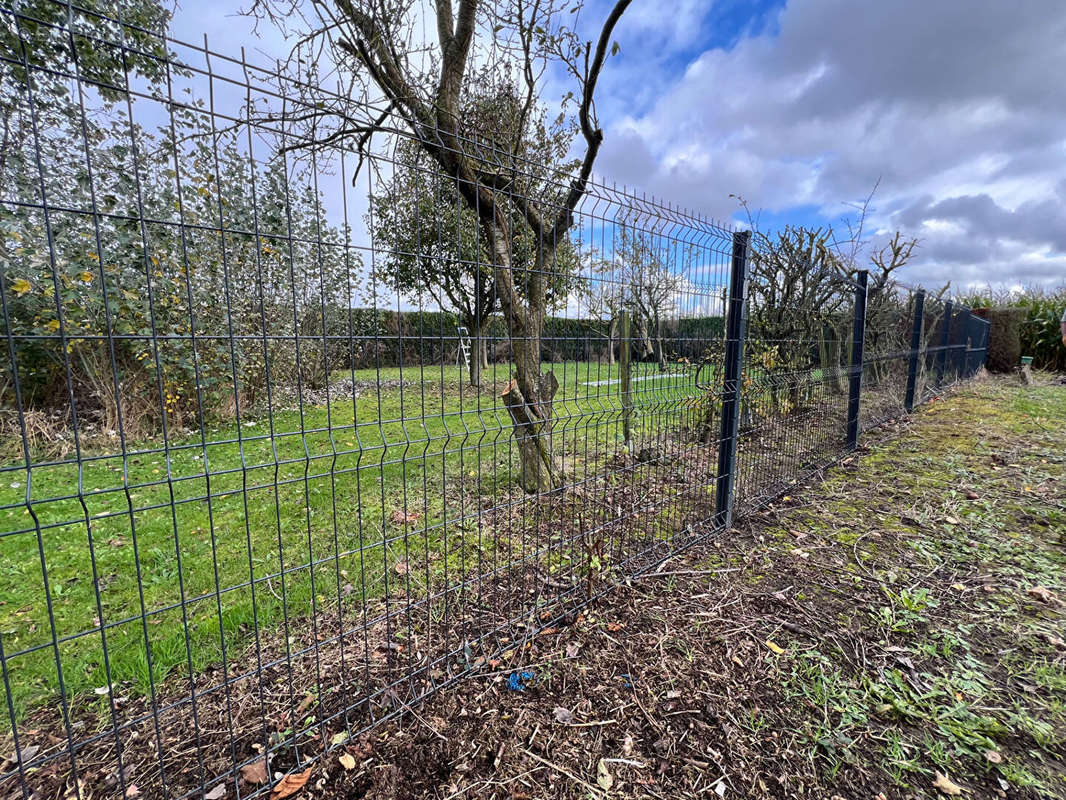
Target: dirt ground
pixel 894 630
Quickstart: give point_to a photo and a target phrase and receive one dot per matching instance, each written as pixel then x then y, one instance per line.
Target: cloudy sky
pixel 956 110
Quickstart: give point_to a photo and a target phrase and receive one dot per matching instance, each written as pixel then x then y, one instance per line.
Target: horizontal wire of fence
pixel 291 437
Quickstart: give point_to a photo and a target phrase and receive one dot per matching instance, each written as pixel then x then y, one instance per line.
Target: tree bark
pixel 476 344
pixel 528 397
pixel 612 335
pixel 659 344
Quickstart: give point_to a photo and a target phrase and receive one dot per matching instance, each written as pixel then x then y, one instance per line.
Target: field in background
pixel 363 490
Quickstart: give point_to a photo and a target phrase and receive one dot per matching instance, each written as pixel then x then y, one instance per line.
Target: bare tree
pixel 651 290
pixel 400 86
pixel 801 287
pixel 604 300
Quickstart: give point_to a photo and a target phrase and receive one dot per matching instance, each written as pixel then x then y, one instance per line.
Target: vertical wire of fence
pixel 267 475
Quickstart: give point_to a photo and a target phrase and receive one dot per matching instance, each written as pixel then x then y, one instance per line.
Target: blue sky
pixel 957 110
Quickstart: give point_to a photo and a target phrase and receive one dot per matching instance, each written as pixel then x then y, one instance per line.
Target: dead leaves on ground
pixel 291 784
pixel 1043 594
pixel 402 517
pixel 946 785
pixel 603 776
pixel 255 773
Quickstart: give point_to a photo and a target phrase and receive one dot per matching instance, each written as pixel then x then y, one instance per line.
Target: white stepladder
pixel 462 354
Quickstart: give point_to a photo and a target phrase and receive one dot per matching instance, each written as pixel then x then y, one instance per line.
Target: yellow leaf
pixel 774 646
pixel 20 286
pixel 52 326
pixel 85 276
pixel 603 776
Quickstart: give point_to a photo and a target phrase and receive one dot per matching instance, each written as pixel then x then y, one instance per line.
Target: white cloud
pixel 958 109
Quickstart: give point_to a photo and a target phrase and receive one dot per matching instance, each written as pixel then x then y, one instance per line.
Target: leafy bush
pixel 162 295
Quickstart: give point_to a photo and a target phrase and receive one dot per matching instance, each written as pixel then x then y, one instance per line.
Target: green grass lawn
pixel 171 547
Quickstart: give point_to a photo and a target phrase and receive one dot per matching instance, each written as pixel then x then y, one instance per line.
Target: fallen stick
pixel 592 789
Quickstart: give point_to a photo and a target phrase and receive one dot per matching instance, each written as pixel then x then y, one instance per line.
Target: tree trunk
pixel 612 334
pixel 659 345
pixel 528 397
pixel 476 345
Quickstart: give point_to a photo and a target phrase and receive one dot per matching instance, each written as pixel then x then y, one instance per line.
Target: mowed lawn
pixel 179 549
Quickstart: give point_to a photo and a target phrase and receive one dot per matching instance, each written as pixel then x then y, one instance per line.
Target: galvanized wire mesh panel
pixel 887 354
pixel 269 469
pixel 796 369
pixel 262 486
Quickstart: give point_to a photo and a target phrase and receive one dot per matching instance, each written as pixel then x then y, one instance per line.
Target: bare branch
pixel 593 134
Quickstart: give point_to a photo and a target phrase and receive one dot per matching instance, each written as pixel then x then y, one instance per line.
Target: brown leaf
pixel 217 793
pixel 614 627
pixel 347 761
pixel 972 495
pixel 256 772
pixel 1042 593
pixel 291 784
pixel 133 791
pixel 401 517
pixel 993 756
pixel 946 785
pixel 1055 641
pixel 401 568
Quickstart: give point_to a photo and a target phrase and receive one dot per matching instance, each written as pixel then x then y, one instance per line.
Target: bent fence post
pixel 736 329
pixel 858 333
pixel 916 346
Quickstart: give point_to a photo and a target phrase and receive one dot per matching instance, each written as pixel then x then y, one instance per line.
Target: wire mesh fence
pixel 290 438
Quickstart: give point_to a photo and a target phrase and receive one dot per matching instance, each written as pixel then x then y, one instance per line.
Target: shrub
pixel 1004 342
pixel 1039 334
